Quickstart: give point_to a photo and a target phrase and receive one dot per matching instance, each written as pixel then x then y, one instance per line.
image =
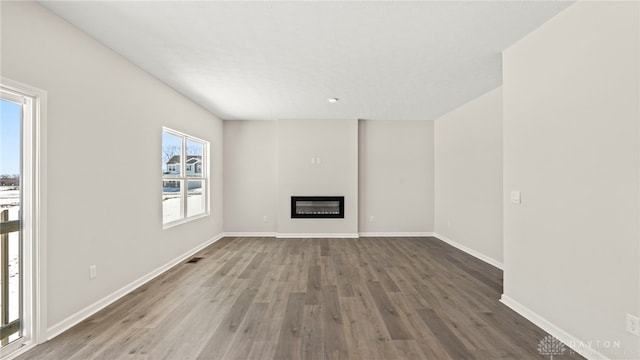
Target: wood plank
pixel 344 276
pixel 223 335
pixel 385 280
pixel 172 340
pixel 335 346
pixel 365 333
pixel 290 339
pixel 395 326
pixel 224 270
pixel 408 349
pixel 328 271
pixel 126 340
pixel 253 265
pixel 447 338
pixel 270 282
pixel 325 248
pixel 314 286
pixel 424 337
pixel 312 334
pixel 244 339
pixel 266 340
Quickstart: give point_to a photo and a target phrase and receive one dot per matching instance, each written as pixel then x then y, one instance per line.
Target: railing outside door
pixel 9 324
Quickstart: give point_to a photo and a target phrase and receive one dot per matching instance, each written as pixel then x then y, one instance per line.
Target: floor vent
pixel 194 260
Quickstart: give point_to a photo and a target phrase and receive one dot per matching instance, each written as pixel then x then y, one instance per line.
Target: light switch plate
pixel 516 197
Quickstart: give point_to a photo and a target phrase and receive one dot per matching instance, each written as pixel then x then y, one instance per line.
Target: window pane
pixel 171 151
pixel 171 200
pixel 195 150
pixel 10 161
pixel 195 198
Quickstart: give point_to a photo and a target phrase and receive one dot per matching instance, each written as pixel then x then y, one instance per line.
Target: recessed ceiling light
pixel 332 100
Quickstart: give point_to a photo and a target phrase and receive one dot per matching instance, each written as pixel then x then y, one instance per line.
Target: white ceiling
pixel 282 60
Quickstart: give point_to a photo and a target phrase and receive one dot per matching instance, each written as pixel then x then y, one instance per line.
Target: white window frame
pixel 184 178
pixel 34 205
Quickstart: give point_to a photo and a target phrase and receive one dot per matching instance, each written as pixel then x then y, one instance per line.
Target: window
pixel 184 183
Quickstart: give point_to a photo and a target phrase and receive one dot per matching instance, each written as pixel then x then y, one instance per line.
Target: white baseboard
pixel 471 252
pixel 76 318
pixel 553 330
pixel 319 236
pixel 396 234
pixel 322 235
pixel 249 234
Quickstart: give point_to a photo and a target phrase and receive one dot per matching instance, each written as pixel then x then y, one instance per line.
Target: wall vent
pixel 194 260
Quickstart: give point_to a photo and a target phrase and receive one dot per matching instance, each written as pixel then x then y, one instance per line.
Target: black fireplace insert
pixel 317 207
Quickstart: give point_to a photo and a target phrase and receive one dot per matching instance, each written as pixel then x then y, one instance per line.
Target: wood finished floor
pixel 266 298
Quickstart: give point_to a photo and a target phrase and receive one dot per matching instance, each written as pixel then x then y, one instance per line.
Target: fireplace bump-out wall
pixel 317 157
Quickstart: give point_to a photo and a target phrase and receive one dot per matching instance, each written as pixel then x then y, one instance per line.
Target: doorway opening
pixel 21 238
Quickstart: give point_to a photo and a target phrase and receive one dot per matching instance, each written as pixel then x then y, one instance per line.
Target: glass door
pixel 12 113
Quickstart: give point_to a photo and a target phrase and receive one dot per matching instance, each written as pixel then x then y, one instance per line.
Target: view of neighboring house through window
pixel 184 183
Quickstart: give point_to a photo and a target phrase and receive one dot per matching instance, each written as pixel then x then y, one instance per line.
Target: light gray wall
pixel 250 176
pixel 571 146
pixel 396 177
pixel 335 142
pixel 468 175
pixel 103 110
pixel 394 180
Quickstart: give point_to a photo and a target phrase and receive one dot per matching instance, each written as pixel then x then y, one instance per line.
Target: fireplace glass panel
pixel 317 207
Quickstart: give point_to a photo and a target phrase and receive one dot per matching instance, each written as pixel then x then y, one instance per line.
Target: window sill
pixel 184 221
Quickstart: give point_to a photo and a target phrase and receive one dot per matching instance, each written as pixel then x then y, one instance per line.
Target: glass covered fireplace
pixel 317 207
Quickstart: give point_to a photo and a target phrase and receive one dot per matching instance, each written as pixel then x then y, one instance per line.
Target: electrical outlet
pixel 264 219
pixel 93 272
pixel 371 218
pixel 633 324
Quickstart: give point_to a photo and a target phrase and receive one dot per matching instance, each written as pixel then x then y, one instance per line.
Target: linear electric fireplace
pixel 317 207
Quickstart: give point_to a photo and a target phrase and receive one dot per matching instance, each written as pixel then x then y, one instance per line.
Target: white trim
pixel 553 330
pixel 16 353
pixel 36 317
pixel 470 251
pixel 396 234
pixel 250 234
pixel 316 236
pixel 76 318
pixel 185 220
